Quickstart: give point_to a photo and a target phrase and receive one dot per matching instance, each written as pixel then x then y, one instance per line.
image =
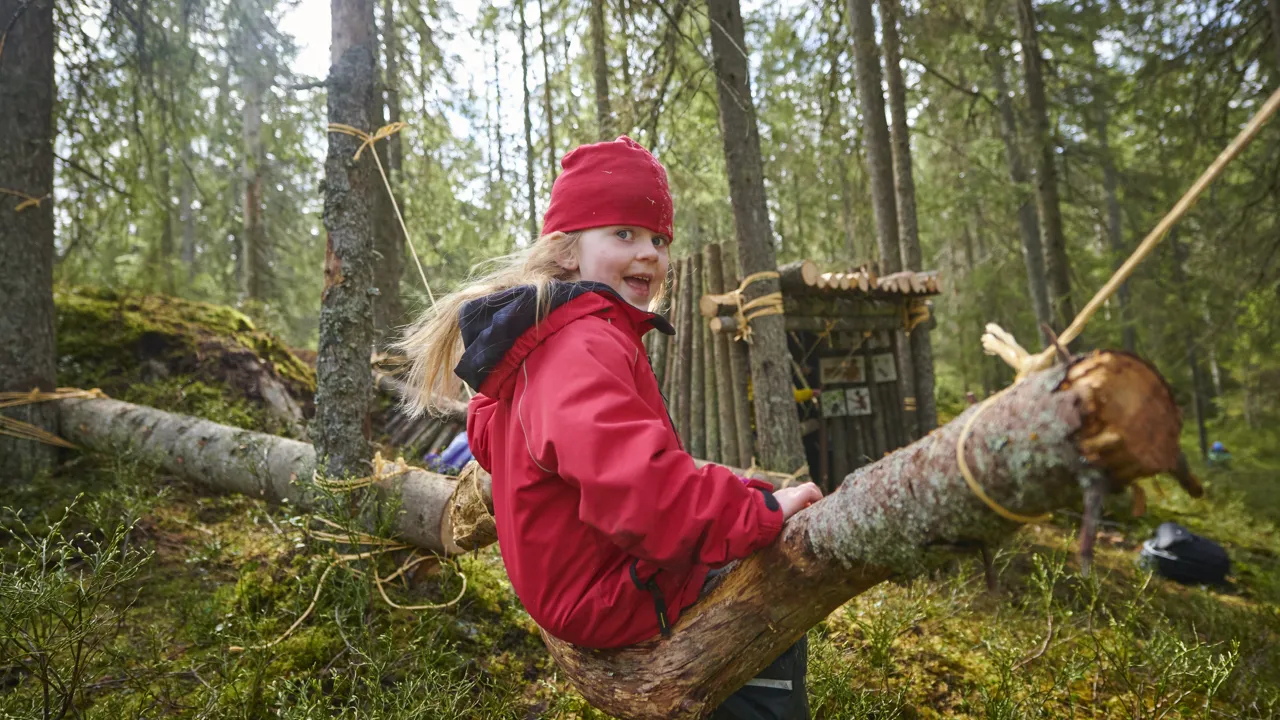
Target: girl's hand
pixel 796 498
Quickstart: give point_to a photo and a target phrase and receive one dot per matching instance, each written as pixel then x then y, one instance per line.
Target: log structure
pixel 846 332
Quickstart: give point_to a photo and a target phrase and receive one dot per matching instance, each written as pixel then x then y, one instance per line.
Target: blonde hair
pixel 433 344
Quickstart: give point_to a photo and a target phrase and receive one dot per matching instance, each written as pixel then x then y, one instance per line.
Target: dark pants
pixel 777 693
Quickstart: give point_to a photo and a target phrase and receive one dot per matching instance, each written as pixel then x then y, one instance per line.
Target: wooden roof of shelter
pixel 805 276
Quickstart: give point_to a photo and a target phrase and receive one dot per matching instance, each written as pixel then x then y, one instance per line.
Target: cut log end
pixel 1131 421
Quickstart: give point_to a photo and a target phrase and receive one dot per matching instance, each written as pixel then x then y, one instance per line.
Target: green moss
pixel 105 338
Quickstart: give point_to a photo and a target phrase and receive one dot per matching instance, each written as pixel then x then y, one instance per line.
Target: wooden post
pixel 739 375
pixel 711 411
pixel 697 373
pixel 673 343
pixel 684 337
pixel 728 425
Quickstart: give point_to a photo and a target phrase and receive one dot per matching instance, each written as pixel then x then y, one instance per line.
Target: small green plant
pixel 62 601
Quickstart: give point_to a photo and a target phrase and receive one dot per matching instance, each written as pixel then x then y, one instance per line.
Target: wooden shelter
pixel 847 336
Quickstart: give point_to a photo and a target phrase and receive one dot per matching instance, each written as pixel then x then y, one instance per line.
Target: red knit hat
pixel 610 183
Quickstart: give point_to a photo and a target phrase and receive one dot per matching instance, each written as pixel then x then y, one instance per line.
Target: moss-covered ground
pixel 140 622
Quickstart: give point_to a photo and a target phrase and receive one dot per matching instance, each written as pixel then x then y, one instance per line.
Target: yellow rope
pixel 28 201
pixel 367 140
pixel 744 313
pixel 382 470
pixel 999 342
pixel 15 428
pixel 973 483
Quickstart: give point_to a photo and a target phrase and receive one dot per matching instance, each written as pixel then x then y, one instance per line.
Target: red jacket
pixel 603 519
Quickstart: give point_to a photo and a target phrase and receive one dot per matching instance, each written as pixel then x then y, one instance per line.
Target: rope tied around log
pixel 28 201
pixel 383 470
pixel 15 428
pixel 745 312
pixel 999 342
pixel 782 480
pixel 368 141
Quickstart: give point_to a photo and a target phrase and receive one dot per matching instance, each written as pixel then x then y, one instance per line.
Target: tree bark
pixel 921 347
pixel 187 214
pixel 388 307
pixel 1115 228
pixel 258 465
pixel 697 373
pixel 777 425
pixel 553 166
pixel 1199 404
pixel 739 375
pixel 600 69
pixel 728 426
pixel 1028 221
pixel 1274 7
pixel 253 238
pixel 344 385
pixel 684 356
pixel 876 141
pixel 1057 265
pixel 1106 413
pixel 530 179
pixel 27 347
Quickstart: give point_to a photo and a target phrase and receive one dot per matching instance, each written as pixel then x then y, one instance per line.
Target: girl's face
pixel 631 260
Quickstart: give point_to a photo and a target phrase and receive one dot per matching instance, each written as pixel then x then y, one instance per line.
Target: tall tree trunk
pixel 553 165
pixel 253 239
pixel 388 307
pixel 1057 265
pixel 166 250
pixel 530 180
pixel 1028 221
pixel 344 385
pixel 777 424
pixel 908 227
pixel 600 68
pixel 27 348
pixel 879 150
pixel 628 111
pixel 187 213
pixel 1198 386
pixel 497 112
pixel 1115 229
pixel 876 141
pixel 1274 7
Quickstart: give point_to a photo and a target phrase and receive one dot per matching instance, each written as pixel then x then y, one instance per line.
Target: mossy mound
pixel 114 341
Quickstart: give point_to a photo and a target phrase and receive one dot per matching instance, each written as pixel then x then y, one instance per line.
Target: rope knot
pixel 745 312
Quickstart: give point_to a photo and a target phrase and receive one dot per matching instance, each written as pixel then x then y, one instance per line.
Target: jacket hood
pixel 492 325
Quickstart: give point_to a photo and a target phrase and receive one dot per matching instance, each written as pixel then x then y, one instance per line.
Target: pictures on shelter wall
pixel 857 401
pixel 842 370
pixel 883 368
pixel 833 403
pixel 838 402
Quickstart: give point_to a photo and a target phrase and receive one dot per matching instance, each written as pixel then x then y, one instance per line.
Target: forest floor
pixel 123 592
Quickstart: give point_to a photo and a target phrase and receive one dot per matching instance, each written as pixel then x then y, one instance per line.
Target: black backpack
pixel 1180 555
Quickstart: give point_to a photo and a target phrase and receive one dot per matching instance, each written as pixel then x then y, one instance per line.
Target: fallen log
pixel 1102 421
pixel 230 459
pixel 1107 415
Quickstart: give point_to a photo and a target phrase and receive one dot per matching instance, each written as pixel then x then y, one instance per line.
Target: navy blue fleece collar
pixel 492 324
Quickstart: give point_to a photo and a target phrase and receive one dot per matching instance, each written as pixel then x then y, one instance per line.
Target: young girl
pixel 606 527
